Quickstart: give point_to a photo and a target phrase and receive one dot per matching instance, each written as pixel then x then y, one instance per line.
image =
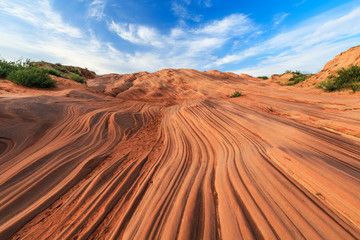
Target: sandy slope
pixel 168 155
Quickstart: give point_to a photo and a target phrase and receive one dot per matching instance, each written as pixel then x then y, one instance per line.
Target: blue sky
pixel 253 37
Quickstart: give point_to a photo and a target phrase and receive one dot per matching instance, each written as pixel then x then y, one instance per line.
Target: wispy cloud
pixel 224 29
pixel 187 42
pixel 36 29
pixel 180 9
pixel 233 25
pixel 206 3
pixel 299 3
pixel 96 9
pixel 301 47
pixel 181 48
pixel 50 38
pixel 279 18
pixel 39 14
pixel 136 34
pixel 310 60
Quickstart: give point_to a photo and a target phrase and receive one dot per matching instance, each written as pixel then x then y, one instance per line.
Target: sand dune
pixel 167 155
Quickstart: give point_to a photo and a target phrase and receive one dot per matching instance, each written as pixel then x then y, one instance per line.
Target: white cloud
pixel 233 25
pixel 184 47
pixel 300 3
pixel 303 46
pixel 235 58
pixel 310 60
pixel 53 40
pixel 137 34
pixel 96 9
pixel 47 36
pixel 57 41
pixel 39 14
pixel 180 9
pixel 192 43
pixel 210 36
pixel 279 18
pixel 207 3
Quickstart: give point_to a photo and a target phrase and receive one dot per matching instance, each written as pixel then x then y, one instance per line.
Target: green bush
pixel 293 72
pixel 346 78
pixel 32 77
pixel 7 67
pixel 77 78
pixel 297 78
pixel 328 85
pixel 236 94
pixel 61 69
pixel 76 71
pixel 263 77
pixel 52 71
pixel 355 87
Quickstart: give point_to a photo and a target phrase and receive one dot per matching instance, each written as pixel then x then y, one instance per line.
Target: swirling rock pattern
pixel 168 155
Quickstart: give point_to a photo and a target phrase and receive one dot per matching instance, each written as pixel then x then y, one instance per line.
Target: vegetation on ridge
pixel 7 67
pixel 293 72
pixel 52 71
pixel 345 78
pixel 36 74
pixel 77 78
pixel 32 77
pixel 298 78
pixel 25 74
pixel 69 72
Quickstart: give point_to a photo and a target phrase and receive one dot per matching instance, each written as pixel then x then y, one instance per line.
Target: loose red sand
pixel 167 155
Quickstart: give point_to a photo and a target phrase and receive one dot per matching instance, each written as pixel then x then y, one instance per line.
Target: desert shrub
pixel 7 67
pixel 263 77
pixel 328 85
pixel 297 78
pixel 76 71
pixel 77 78
pixel 32 77
pixel 61 69
pixel 236 94
pixel 52 71
pixel 355 87
pixel 346 78
pixel 293 72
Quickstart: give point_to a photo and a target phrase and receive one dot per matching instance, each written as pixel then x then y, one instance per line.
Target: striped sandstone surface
pixel 168 155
